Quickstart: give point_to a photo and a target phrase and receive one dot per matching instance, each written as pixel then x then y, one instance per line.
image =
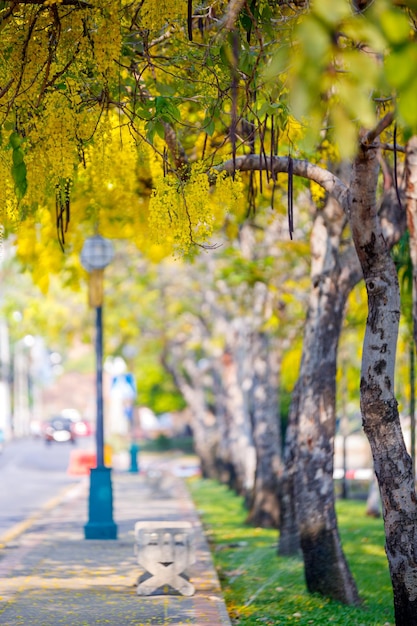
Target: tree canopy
pixel 113 113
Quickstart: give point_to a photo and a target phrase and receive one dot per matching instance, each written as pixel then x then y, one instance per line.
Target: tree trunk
pixel 310 436
pixel 240 441
pixel 289 538
pixel 204 423
pixel 326 569
pixel 264 503
pixel 225 469
pixel 261 379
pixel 380 416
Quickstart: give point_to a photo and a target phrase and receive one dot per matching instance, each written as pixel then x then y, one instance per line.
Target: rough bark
pixel 240 441
pixel 379 408
pixel 264 502
pixel 261 380
pixel 289 538
pixel 326 569
pixel 332 274
pixel 225 467
pixel 204 422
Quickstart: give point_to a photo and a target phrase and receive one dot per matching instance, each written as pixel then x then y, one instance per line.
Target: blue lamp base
pixel 134 467
pixel 100 523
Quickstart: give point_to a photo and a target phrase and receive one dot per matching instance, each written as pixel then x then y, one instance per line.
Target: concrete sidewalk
pixel 50 575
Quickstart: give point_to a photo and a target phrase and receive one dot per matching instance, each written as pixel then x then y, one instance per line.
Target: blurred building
pixel 5 378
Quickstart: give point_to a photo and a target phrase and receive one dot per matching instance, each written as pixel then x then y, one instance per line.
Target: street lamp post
pixel 96 254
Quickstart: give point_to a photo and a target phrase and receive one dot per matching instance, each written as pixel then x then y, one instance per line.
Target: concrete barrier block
pixel 165 550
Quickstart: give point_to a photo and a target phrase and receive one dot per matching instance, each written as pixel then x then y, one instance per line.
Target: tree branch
pixel 8 13
pixel 233 10
pixel 303 168
pixel 369 137
pixel 389 147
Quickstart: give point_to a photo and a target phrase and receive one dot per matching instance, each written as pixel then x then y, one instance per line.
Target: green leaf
pixel 395 26
pixel 153 127
pixel 19 173
pixel 144 114
pixel 166 89
pixel 226 54
pixel 15 140
pixel 247 62
pixel 21 188
pixel 208 126
pixel 316 41
pixel 166 109
pixel 150 131
pixel 160 129
pixel 400 66
pixel 245 21
pixel 407 104
pixel 272 108
pixel 18 156
pixel 331 12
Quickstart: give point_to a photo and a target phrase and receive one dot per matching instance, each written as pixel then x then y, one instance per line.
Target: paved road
pixel 31 474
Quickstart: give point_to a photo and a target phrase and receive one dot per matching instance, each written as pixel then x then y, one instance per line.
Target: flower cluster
pixel 183 211
pixel 156 15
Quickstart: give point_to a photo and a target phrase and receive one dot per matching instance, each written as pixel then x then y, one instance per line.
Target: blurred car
pixel 59 429
pixel 35 427
pixel 82 428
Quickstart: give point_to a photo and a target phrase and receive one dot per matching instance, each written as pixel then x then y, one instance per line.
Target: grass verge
pixel 262 588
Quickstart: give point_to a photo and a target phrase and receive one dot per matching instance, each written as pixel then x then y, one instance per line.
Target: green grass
pixel 262 588
pixel 162 443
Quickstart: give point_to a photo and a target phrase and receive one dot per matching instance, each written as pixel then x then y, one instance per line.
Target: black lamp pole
pixel 99 386
pixel 96 255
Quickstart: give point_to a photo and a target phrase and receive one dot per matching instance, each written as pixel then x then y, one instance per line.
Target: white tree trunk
pixel 380 416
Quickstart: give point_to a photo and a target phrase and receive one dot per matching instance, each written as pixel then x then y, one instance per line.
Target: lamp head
pixel 97 253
